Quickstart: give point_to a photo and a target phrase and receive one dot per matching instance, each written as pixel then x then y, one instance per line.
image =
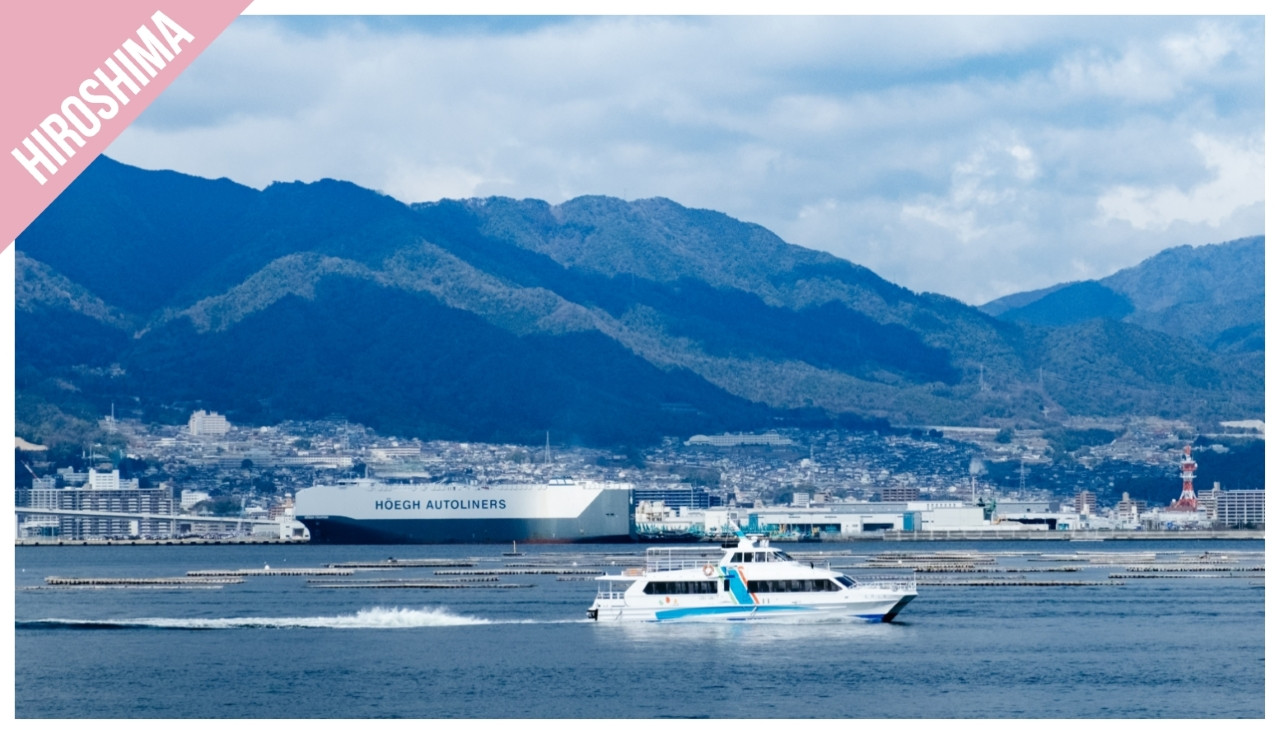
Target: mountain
pixel 1212 295
pixel 498 319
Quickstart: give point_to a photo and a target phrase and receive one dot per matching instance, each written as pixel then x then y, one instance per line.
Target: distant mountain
pixel 1005 304
pixel 1212 295
pixel 1073 303
pixel 497 319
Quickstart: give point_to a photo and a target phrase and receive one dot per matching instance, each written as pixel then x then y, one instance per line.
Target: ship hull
pixel 379 514
pixel 348 531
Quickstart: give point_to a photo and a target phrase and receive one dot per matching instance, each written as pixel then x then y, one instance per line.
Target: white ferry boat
pixel 749 582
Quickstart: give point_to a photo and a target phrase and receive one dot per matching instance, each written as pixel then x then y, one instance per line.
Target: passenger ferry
pixel 749 582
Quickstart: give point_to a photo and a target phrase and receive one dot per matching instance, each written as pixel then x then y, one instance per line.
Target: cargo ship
pixel 379 511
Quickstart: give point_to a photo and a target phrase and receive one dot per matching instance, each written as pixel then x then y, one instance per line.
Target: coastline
pixel 888 535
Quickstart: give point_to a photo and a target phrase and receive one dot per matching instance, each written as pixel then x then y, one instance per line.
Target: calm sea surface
pixel 1180 645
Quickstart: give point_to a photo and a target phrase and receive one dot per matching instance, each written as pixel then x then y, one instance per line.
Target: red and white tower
pixel 1187 501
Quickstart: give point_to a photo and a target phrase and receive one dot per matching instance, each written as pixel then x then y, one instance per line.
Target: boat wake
pixel 374 618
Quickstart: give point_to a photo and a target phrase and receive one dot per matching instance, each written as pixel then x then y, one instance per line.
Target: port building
pixel 104 492
pixel 1237 508
pixel 853 519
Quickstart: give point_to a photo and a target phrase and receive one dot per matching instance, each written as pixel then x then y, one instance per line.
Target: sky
pixel 971 156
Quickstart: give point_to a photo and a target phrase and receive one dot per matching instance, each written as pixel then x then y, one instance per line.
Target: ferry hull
pixel 866 612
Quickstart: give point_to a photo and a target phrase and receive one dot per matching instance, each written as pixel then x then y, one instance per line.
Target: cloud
pixel 1236 170
pixel 984 187
pixel 1147 69
pixel 962 155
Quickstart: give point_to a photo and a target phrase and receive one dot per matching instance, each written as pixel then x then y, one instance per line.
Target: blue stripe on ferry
pixel 736 586
pixel 666 615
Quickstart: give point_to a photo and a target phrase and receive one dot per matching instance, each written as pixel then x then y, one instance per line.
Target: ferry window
pixel 662 588
pixel 761 557
pixel 846 581
pixel 726 584
pixel 737 558
pixel 782 556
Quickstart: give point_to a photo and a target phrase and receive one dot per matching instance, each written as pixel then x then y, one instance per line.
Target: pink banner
pixel 78 75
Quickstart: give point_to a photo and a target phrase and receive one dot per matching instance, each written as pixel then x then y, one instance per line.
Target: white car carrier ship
pixel 373 511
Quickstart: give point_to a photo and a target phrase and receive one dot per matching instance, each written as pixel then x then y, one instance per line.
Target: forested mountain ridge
pixel 1212 295
pixel 607 320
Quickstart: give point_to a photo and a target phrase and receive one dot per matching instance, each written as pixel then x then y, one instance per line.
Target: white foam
pixel 374 618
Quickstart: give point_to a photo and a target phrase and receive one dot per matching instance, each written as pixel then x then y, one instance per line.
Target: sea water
pixel 517 644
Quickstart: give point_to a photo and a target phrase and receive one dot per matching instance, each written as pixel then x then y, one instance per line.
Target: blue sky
pixel 970 156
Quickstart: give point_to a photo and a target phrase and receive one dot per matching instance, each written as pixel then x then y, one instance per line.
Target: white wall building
pixel 1240 507
pixel 103 481
pixel 202 423
pixel 740 439
pixel 192 497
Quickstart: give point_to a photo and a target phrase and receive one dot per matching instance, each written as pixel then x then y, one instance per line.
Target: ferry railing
pixel 612 588
pixel 678 559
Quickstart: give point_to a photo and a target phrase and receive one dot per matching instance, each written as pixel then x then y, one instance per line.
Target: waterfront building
pixel 1086 503
pixel 1130 510
pixel 43 493
pixel 686 496
pixel 1010 506
pixel 1240 507
pixel 1208 501
pixel 1035 515
pixel 852 519
pixel 105 493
